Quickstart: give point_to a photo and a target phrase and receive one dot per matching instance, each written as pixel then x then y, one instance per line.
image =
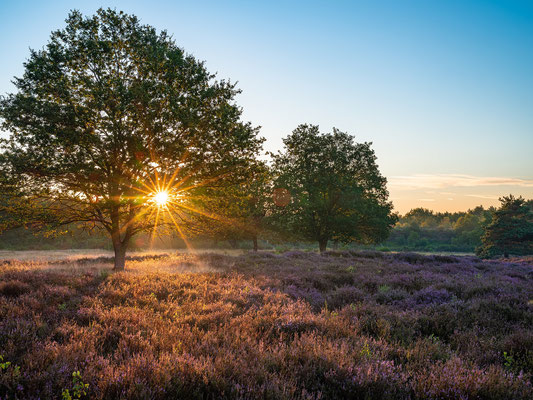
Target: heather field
pixel 281 326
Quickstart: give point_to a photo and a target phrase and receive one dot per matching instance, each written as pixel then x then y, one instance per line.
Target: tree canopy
pixel 511 229
pixel 337 192
pixel 238 212
pixel 424 230
pixel 107 115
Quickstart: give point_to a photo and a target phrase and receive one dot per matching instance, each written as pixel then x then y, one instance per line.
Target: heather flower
pixel 301 325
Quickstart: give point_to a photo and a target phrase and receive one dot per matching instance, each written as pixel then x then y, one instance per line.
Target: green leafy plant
pixel 79 388
pixel 105 117
pixel 434 338
pixel 333 189
pixel 4 366
pixel 9 378
pixel 511 229
pixel 509 360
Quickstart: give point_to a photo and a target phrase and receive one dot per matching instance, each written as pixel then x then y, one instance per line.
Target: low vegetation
pixel 266 325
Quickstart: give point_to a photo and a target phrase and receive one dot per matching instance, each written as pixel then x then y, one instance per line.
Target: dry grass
pixel 98 261
pixel 76 254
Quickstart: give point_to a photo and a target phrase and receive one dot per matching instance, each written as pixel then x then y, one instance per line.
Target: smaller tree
pixel 337 192
pixel 236 212
pixel 468 228
pixel 511 229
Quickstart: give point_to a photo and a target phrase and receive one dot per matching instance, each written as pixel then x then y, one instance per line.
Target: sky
pixel 443 89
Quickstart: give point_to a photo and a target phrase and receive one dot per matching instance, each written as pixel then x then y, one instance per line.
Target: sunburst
pixel 167 201
pixel 161 198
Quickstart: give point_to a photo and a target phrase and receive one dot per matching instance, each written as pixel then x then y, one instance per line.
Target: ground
pixel 265 325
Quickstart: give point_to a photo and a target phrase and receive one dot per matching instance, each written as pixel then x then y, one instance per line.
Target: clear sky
pixel 444 89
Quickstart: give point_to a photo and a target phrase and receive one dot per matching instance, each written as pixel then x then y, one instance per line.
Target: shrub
pixel 13 288
pixel 345 295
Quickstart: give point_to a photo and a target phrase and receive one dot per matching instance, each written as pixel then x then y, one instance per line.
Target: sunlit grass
pixel 312 326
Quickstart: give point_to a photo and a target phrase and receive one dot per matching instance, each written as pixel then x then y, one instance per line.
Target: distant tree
pixel 425 230
pixel 109 114
pixel 337 192
pixel 511 229
pixel 469 229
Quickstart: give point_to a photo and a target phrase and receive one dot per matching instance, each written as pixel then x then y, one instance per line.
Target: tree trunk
pixel 120 255
pixel 322 244
pixel 120 245
pixel 256 247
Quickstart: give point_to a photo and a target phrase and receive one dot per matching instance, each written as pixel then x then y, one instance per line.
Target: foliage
pixel 237 212
pixel 256 326
pixel 425 230
pixel 337 190
pixel 418 230
pixel 107 114
pixel 79 389
pixel 71 237
pixel 9 378
pixel 511 229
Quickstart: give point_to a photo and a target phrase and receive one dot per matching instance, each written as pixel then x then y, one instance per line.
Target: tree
pixel 236 213
pixel 468 228
pixel 511 229
pixel 114 126
pixel 337 192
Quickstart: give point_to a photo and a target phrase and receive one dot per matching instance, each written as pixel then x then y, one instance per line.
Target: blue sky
pixel 444 89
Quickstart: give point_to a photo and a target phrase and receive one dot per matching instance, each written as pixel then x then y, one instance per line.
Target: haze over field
pixel 444 91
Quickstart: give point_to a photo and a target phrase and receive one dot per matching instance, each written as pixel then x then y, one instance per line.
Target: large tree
pixel 336 190
pixel 510 231
pixel 114 126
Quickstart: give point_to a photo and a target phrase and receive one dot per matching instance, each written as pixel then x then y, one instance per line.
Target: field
pixel 281 326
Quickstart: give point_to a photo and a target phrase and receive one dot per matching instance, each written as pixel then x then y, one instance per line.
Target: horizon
pixel 444 91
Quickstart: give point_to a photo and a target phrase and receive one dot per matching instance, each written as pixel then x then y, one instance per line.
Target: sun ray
pixel 172 178
pixel 204 182
pixel 182 235
pixel 137 217
pixel 154 228
pixel 224 220
pixel 148 190
pixel 164 195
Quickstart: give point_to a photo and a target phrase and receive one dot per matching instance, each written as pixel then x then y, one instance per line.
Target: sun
pixel 161 198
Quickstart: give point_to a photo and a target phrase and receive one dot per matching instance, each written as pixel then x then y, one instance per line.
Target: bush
pixel 13 288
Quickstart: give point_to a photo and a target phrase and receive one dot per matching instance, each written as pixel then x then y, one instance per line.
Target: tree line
pixel 495 231
pixel 425 230
pixel 478 230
